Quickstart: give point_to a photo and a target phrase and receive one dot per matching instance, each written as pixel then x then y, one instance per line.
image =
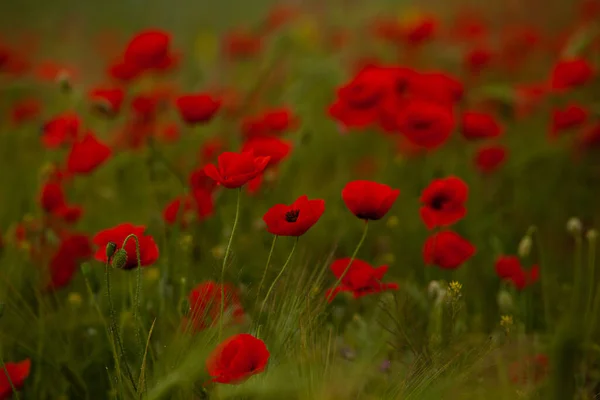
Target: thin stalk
pixel 225 257
pixel 360 243
pixel 278 276
pixel 138 289
pixel 262 281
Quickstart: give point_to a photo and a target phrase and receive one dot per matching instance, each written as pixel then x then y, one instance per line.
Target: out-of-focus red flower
pixel 529 97
pixel 241 44
pixel 477 125
pixel 107 100
pixel 200 202
pixel 469 27
pixel 18 373
pixel 169 132
pixel 279 15
pixel 571 73
pixel 361 279
pixel 571 117
pixel 236 169
pixel 117 235
pixel 205 305
pixel 438 87
pixel 270 122
pixel 489 158
pixel 199 180
pixel 50 71
pixel 148 49
pixel 509 268
pixel 268 146
pixel 295 219
pixel 145 107
pixel 421 30
pixel 477 59
pixel 87 154
pixel 389 30
pixel 447 250
pixel 426 124
pixel 52 201
pixel 73 249
pixel 122 71
pixel 210 149
pixel 517 44
pixel 369 200
pixel 63 129
pixel 25 110
pixel 197 108
pixel 532 369
pixel 444 202
pixel 589 137
pixel 237 358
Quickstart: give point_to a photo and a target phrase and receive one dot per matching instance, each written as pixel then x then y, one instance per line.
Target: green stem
pixel 138 289
pixel 360 243
pixel 12 385
pixel 591 273
pixel 577 292
pixel 225 257
pixel 546 289
pixel 277 277
pixel 262 281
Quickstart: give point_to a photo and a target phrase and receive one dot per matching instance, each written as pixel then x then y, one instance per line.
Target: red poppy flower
pixel 444 202
pixel 489 158
pixel 18 373
pixel 237 358
pixel 107 101
pixel 210 149
pixel 436 87
pixel 199 180
pixel 478 125
pixel 205 305
pixel 148 49
pixel 87 154
pixel 236 169
pixel 369 200
pixel 117 235
pixel 240 44
pixel 589 137
pixel 197 108
pixel 420 31
pixel 447 250
pixel 26 110
pixel 52 201
pixel 477 59
pixel 509 268
pixel 531 369
pixel 123 71
pixel 145 106
pixel 73 249
pixel 271 122
pixel 169 132
pixel 361 279
pixel 268 146
pixel 425 123
pixel 295 219
pixel 200 201
pixel 571 73
pixel 529 98
pixel 172 211
pixel 60 130
pixel 571 117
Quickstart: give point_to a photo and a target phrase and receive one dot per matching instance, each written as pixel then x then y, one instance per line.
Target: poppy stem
pixel 360 243
pixel 262 281
pixel 225 256
pixel 12 385
pixel 138 290
pixel 277 277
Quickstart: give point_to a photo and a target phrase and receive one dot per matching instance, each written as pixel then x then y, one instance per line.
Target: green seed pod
pixel 110 250
pixel 119 259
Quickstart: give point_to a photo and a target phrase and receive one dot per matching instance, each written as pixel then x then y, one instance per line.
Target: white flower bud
pixel 525 246
pixel 591 235
pixel 433 290
pixel 574 226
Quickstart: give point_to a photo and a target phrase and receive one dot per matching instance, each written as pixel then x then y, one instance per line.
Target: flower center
pixel 292 216
pixel 438 202
pixel 423 124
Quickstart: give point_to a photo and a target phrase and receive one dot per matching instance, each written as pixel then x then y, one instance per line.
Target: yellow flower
pixel 152 274
pixel 75 299
pixel 506 322
pixel 393 221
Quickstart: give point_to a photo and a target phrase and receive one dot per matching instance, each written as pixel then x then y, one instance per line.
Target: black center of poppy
pixel 438 202
pixel 292 216
pixel 422 124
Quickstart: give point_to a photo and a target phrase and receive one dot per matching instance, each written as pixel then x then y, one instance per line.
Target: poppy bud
pixel 119 259
pixel 1 309
pixel 525 246
pixel 505 301
pixel 574 226
pixel 110 250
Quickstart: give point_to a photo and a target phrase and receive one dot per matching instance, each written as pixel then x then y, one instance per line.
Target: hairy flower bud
pixel 110 250
pixel 119 259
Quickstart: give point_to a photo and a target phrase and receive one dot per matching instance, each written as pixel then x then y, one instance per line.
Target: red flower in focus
pixel 148 49
pixel 509 268
pixel 18 373
pixel 205 305
pixel 239 44
pixel 369 200
pixel 447 250
pixel 25 110
pixel 489 158
pixel 73 249
pixel 361 279
pixel 571 73
pixel 148 248
pixel 477 125
pixel 571 117
pixel 477 59
pixel 107 101
pixel 87 154
pixel 60 130
pixel 444 202
pixel 532 369
pixel 295 219
pixel 268 146
pixel 425 123
pixel 237 358
pixel 197 108
pixel 236 169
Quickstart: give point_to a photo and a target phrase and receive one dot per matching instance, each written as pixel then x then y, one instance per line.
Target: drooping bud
pixel 110 250
pixel 119 259
pixel 525 246
pixel 574 226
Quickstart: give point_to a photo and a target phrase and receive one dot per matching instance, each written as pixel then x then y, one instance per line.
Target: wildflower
pixel 509 268
pixel 237 358
pixel 444 202
pixel 447 250
pixel 571 73
pixel 205 305
pixel 426 123
pixel 295 219
pixel 236 169
pixel 17 373
pixel 361 278
pixel 148 248
pixel 60 130
pixel 87 154
pixel 148 49
pixel 369 200
pixel 489 158
pixel 478 125
pixel 107 100
pixel 574 226
pixel 197 108
pixel 506 322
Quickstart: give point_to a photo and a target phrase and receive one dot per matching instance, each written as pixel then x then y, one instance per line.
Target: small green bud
pixel 110 250
pixel 119 259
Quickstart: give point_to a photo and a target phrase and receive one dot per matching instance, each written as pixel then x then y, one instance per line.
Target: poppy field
pixel 301 200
